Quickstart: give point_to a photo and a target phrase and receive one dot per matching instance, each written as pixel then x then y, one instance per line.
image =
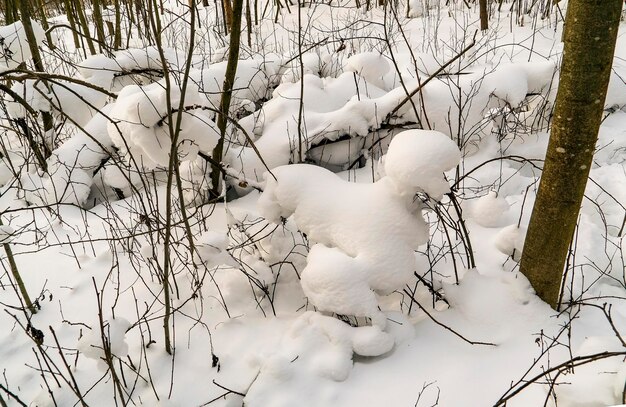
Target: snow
pixel 140 125
pixel 6 234
pixel 369 65
pixel 372 259
pixel 490 210
pixel 62 184
pixel 14 47
pixel 594 384
pixel 510 241
pixel 91 344
pixel 74 101
pixel 418 159
pixel 34 93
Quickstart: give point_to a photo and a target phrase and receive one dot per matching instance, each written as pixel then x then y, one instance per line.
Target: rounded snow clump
pixel 510 241
pixel 14 47
pixel 99 70
pixel 490 210
pixel 417 159
pixel 139 125
pixel 212 249
pixel 370 65
pixel 63 184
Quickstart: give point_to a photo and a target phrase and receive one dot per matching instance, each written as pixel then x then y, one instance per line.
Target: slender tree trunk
pixel 97 21
pixel 18 278
pixel 484 15
pixel 117 29
pixel 82 18
pixel 227 89
pixel 69 12
pixel 249 23
pixel 48 124
pixel 228 14
pixel 590 34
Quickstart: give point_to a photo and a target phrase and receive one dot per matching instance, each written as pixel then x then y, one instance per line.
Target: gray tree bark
pixel 590 33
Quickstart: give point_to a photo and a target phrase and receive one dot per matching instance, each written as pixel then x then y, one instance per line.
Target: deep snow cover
pixel 364 247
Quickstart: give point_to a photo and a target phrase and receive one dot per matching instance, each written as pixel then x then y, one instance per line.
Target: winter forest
pixel 313 203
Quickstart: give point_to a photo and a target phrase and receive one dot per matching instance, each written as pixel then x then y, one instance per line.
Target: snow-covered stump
pixel 363 235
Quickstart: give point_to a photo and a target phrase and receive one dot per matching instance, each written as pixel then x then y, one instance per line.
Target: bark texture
pixel 590 34
pixel 484 15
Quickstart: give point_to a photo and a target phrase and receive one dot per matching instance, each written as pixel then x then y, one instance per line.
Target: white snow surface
pixel 319 289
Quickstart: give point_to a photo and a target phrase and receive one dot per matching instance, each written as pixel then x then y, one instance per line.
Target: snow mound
pixel 90 345
pixel 212 247
pixel 593 384
pixel 139 125
pixel 315 348
pixel 129 66
pixel 490 210
pixel 99 70
pixel 253 80
pixel 34 93
pixel 347 264
pixel 333 107
pixel 62 184
pixel 509 83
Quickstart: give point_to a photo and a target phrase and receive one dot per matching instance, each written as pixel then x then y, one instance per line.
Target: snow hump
pixel 363 236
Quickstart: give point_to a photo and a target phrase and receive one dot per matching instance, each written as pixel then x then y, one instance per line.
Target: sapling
pixel 16 274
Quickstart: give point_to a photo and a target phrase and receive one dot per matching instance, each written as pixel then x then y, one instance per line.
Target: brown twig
pixel 430 78
pixel 569 364
pixel 445 326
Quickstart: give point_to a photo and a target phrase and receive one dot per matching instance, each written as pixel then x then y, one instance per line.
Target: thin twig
pixel 445 326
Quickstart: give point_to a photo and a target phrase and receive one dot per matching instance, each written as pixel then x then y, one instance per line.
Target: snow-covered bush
pixel 347 266
pixel 253 81
pixel 128 67
pixel 140 125
pixel 75 101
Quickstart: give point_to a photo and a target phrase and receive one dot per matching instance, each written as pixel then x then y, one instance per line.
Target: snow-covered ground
pixel 381 272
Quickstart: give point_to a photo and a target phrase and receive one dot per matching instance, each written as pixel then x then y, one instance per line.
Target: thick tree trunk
pixel 590 33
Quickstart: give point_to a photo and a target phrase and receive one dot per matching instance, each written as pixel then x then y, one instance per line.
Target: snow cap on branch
pixel 418 159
